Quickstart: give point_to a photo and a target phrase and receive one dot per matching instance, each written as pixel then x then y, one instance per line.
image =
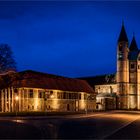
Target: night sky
pixel 72 39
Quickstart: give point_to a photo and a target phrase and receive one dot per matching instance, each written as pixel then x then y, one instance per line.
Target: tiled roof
pixel 34 79
pixel 100 80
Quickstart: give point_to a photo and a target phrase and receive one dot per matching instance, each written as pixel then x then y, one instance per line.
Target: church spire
pixel 123 36
pixel 133 45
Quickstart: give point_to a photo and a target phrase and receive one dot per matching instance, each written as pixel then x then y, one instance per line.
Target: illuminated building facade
pixel 120 90
pixel 128 72
pixel 35 91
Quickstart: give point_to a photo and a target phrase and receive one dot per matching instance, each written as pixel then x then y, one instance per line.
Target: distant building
pixel 105 89
pixel 35 91
pixel 123 88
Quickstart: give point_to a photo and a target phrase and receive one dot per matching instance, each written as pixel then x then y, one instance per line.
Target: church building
pixel 122 89
pixel 35 91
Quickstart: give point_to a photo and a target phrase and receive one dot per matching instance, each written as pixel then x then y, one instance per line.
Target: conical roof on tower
pixel 133 45
pixel 123 35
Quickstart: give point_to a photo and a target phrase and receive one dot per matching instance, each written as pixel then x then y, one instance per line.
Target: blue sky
pixel 72 39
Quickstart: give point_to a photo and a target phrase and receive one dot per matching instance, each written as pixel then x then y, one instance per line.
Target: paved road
pixel 106 125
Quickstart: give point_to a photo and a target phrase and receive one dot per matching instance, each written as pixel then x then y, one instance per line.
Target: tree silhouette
pixel 7 61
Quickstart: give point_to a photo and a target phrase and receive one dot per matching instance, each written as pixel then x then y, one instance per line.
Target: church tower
pixel 133 69
pixel 122 70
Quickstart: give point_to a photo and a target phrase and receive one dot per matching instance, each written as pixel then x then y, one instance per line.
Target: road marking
pixel 89 115
pixel 116 130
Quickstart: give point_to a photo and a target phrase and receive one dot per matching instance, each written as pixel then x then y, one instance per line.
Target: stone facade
pixel 105 99
pixel 105 102
pixel 36 99
pixel 127 73
pixel 106 88
pixel 127 86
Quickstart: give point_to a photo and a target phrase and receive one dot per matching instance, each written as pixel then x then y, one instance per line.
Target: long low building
pixel 35 91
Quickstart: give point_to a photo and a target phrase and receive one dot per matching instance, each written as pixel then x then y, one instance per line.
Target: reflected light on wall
pixel 17 98
pixel 52 96
pixel 55 105
pixel 36 104
pixel 83 104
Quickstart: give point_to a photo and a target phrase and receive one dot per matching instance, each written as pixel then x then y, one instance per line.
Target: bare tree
pixel 7 61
